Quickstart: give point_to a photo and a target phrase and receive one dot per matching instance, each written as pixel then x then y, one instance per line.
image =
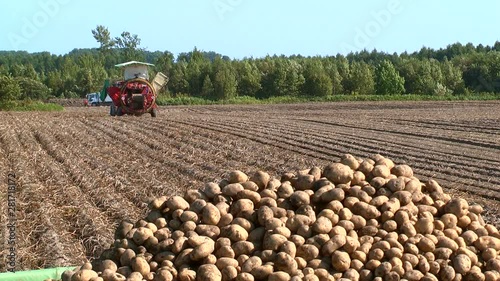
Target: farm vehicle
pixel 135 95
pixel 97 99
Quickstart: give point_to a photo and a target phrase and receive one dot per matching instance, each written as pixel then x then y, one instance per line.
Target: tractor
pixel 135 95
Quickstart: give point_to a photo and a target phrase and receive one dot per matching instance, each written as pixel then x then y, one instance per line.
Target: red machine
pixel 135 95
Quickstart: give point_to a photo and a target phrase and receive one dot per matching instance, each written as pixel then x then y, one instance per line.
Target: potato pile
pixel 353 220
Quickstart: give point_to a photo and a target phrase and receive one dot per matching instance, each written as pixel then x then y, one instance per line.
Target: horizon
pixel 240 28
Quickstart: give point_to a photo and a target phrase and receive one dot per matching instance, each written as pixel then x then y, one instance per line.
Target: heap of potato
pixel 353 220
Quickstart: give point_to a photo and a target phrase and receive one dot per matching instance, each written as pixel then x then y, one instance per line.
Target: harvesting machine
pixel 135 95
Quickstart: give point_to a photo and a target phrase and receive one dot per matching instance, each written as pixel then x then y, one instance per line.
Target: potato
pixel 489 254
pixel 332 194
pixel 274 242
pixel 287 247
pixel 341 261
pixel 208 272
pixel 397 184
pixel 202 251
pixel 485 242
pixel 350 161
pixel 338 173
pixel 248 194
pixel 177 202
pixel 250 185
pixel 134 276
pixel 187 275
pixel 285 190
pixel 261 179
pixel 458 206
pixel 197 206
pixel 307 252
pixel 273 184
pixel 425 244
pixel 322 225
pixel 425 226
pixel 476 209
pixel 279 276
pixel 286 263
pixel 237 176
pixel 123 228
pixel 262 272
pixel 381 171
pixel 358 178
pixel 392 205
pixel 365 210
pixel 243 247
pixel 234 232
pixel 83 275
pixel 127 257
pixel 242 208
pixel 462 264
pixel 304 182
pixel 413 275
pixel 141 235
pixel 106 264
pixel 232 189
pixel 404 197
pixel 193 194
pixel 299 198
pixel 402 171
pixel 211 231
pixel 139 264
pixel 295 222
pixel 491 275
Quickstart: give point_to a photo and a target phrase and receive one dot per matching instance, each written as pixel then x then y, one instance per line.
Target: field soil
pixel 80 171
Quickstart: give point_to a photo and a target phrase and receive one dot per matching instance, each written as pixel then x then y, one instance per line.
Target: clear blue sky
pixel 244 28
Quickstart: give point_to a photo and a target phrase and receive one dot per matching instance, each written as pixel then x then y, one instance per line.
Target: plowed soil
pixel 80 172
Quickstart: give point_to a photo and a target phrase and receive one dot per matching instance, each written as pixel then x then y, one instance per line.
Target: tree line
pixel 455 70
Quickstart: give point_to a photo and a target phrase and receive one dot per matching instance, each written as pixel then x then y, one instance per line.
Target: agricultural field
pixel 80 172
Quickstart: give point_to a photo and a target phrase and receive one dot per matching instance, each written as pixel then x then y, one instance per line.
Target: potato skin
pixel 338 173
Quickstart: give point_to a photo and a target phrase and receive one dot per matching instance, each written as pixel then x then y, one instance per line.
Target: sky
pixel 251 28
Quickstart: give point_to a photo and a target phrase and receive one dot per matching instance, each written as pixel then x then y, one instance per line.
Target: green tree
pixel 178 82
pixel 55 82
pixel 9 89
pixel 452 77
pixel 103 37
pixel 335 77
pixel 281 77
pixel 32 89
pixel 317 82
pixel 418 76
pixel 165 62
pixel 194 72
pixel 225 83
pixel 24 70
pixel 249 78
pixel 129 44
pixel 207 91
pixel 387 80
pixel 361 80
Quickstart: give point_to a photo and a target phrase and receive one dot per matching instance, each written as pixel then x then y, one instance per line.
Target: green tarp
pixel 35 275
pixel 104 90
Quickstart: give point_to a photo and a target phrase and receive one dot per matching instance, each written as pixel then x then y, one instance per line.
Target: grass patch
pixel 186 100
pixel 30 106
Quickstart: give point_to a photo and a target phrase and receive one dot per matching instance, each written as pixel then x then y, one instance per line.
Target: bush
pixel 9 89
pixel 33 89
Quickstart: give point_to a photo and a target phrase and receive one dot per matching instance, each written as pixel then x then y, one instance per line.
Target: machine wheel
pixel 154 112
pixel 112 110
